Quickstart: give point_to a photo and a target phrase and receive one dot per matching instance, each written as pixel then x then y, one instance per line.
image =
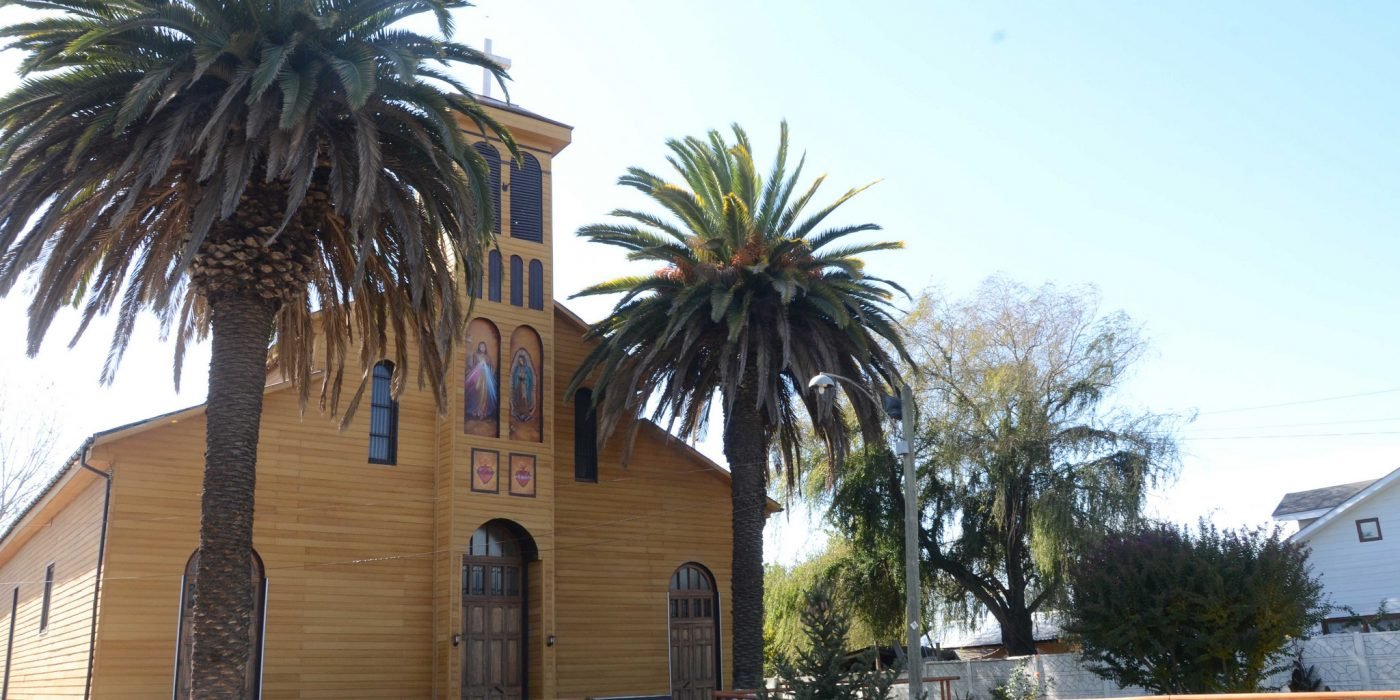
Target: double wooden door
pixel 493 639
pixel 694 639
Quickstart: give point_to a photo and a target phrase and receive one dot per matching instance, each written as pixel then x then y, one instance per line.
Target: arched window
pixel 524 385
pixel 695 640
pixel 383 416
pixel 585 437
pixel 493 166
pixel 184 642
pixel 493 275
pixel 517 281
pixel 536 285
pixel 527 200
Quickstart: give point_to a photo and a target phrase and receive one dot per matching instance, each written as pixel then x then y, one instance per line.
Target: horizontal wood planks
pixel 53 663
pixel 619 540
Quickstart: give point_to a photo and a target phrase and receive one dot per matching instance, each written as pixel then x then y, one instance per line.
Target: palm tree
pixel 752 298
pixel 245 170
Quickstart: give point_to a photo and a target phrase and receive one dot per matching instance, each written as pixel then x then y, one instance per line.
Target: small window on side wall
pixel 517 281
pixel 585 437
pixel 1368 529
pixel 383 416
pixel 48 600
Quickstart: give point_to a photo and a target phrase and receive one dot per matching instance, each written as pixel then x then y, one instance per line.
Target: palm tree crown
pixel 152 139
pixel 752 297
pixel 750 288
pixel 232 166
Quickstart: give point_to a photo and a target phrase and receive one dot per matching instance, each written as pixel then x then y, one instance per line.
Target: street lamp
pixel 902 410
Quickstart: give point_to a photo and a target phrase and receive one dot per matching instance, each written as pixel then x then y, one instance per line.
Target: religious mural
pixel 525 378
pixel 481 404
pixel 486 471
pixel 522 475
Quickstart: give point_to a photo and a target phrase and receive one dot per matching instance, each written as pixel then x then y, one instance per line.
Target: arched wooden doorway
pixel 694 610
pixel 494 605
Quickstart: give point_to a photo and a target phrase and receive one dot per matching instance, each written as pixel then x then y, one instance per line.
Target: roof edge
pixel 1346 505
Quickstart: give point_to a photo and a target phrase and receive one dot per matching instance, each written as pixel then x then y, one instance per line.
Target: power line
pixel 1294 436
pixel 1296 425
pixel 1300 402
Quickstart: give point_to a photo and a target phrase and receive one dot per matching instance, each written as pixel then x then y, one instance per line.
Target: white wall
pixel 1361 574
pixel 1344 662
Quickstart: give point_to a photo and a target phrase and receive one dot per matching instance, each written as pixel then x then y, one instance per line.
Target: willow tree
pixel 753 295
pixel 231 167
pixel 1024 454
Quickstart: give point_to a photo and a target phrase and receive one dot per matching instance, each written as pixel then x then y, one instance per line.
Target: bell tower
pixel 496 443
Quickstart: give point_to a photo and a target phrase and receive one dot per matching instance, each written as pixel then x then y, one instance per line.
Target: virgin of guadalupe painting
pixel 481 400
pixel 525 379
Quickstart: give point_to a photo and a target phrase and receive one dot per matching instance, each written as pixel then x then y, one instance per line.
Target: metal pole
pixel 914 640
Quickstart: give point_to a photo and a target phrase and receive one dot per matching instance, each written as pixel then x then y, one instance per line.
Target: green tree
pixel 1023 459
pixel 752 298
pixel 822 668
pixel 245 170
pixel 1176 611
pixel 785 591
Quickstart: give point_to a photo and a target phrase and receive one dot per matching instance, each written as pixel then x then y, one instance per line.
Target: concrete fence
pixel 1344 662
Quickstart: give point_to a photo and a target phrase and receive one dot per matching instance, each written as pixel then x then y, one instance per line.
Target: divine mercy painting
pixel 526 391
pixel 481 400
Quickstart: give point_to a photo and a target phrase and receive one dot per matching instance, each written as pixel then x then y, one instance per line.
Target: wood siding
pixel 619 541
pixel 53 664
pixel 1361 575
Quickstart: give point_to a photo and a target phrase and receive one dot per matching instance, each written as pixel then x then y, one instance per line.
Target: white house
pixel 1353 531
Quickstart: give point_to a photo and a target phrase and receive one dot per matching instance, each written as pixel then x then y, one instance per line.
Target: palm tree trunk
pixel 746 449
pixel 223 588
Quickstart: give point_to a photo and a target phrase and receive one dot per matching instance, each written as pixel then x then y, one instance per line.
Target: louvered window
pixel 383 416
pixel 493 275
pixel 493 166
pixel 536 285
pixel 585 437
pixel 527 200
pixel 517 281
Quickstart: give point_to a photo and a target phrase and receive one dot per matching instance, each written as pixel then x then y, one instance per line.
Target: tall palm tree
pixel 752 298
pixel 245 170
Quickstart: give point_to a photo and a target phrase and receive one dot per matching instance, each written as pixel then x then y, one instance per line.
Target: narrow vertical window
pixel 527 200
pixel 48 600
pixel 493 168
pixel 517 281
pixel 383 416
pixel 585 437
pixel 536 285
pixel 493 275
pixel 10 643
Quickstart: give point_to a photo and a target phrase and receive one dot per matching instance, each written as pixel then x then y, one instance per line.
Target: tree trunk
pixel 746 449
pixel 1018 631
pixel 223 590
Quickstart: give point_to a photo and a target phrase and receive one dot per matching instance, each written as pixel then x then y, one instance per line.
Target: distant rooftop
pixel 1325 498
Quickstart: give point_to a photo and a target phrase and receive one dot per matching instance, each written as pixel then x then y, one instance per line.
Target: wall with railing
pixel 1345 662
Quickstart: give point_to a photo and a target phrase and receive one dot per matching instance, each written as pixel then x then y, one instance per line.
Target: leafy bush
pixel 1022 685
pixel 1177 611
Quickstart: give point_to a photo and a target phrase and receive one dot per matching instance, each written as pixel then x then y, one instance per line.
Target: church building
pixel 488 552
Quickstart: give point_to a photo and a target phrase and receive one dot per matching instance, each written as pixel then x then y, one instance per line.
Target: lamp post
pixel 901 410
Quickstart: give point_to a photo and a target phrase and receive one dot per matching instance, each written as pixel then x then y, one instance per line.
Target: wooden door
pixel 493 635
pixel 694 611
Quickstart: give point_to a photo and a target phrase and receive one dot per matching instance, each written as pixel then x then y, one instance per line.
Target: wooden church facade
pixel 487 552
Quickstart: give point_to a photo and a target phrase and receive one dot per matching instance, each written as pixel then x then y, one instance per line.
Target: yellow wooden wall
pixel 619 540
pixel 347 547
pixel 53 664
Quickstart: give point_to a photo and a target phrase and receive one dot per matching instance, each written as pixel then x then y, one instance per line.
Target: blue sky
pixel 1224 173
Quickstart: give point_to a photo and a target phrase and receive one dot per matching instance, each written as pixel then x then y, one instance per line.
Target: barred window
pixel 383 417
